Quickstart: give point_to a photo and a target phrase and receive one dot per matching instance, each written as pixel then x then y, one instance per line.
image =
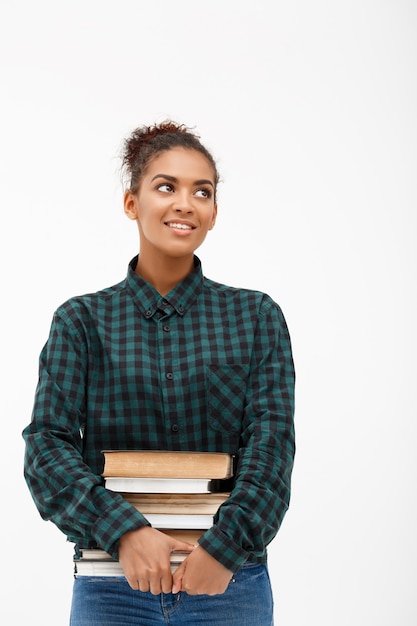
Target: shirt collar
pixel 148 300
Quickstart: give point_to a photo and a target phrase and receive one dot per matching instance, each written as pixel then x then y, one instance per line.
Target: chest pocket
pixel 226 386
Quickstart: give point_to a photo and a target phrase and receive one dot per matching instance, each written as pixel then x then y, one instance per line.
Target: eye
pixel 165 188
pixel 204 192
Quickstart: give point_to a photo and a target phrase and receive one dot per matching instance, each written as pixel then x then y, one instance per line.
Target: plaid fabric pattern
pixel 207 367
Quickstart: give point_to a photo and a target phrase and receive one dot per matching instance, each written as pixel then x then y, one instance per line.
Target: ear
pixel 130 205
pixel 213 220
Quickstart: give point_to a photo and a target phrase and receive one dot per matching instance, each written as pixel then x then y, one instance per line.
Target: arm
pixel 251 517
pixel 65 489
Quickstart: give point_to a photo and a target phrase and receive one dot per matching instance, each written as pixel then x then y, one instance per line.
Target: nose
pixel 183 203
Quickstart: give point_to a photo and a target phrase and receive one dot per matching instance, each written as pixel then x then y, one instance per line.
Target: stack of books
pixel 178 492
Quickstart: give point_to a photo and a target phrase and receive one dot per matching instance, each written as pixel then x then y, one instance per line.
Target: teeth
pixel 183 226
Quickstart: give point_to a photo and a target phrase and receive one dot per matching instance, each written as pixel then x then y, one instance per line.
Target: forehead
pixel 181 163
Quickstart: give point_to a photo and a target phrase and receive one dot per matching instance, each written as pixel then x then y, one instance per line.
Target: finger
pixel 132 579
pixel 143 585
pixel 183 546
pixel 155 586
pixel 177 579
pixel 166 583
pixel 133 583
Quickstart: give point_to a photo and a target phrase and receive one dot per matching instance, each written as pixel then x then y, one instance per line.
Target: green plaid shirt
pixel 207 368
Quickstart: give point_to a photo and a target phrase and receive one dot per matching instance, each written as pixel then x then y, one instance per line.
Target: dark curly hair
pixel 147 142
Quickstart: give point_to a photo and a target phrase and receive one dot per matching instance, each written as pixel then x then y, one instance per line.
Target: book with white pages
pixel 183 521
pixel 97 562
pixel 129 484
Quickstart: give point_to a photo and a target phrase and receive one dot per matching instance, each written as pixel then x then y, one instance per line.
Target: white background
pixel 310 109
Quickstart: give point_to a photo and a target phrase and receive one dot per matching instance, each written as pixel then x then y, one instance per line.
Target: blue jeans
pixel 104 601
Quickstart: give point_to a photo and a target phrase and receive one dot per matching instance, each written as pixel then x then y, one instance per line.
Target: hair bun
pixel 145 142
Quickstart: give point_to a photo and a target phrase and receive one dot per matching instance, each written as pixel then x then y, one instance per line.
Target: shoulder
pixel 250 299
pixel 83 307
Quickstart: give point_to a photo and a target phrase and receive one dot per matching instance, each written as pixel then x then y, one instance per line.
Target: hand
pixel 201 573
pixel 144 555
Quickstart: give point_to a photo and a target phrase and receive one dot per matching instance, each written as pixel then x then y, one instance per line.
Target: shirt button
pixel 175 428
pixel 181 309
pixel 148 313
pixel 169 375
pixel 167 328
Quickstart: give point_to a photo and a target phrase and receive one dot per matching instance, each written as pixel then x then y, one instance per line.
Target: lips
pixel 180 225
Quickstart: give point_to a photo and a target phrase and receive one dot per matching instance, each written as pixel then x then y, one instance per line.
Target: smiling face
pixel 174 206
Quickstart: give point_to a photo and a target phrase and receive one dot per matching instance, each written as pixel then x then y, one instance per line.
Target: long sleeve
pixel 65 489
pixel 251 517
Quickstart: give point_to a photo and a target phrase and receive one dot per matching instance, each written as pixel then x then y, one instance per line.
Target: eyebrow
pixel 173 179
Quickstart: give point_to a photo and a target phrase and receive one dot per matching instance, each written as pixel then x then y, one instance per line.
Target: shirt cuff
pixel 223 549
pixel 114 523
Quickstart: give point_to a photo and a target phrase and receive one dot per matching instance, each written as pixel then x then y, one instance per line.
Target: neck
pixel 164 273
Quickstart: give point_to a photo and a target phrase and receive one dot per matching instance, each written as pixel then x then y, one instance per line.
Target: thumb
pixel 182 546
pixel 177 578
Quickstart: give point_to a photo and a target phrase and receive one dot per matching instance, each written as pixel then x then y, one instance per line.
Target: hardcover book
pixel 167 464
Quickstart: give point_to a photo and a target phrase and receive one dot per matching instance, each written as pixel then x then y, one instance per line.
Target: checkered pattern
pixel 206 368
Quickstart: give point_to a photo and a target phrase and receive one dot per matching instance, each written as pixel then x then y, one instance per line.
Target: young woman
pixel 166 359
